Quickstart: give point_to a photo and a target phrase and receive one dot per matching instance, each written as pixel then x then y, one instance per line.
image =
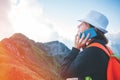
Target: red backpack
pixel 113 68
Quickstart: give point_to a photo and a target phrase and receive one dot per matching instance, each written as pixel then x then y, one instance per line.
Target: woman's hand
pixel 80 42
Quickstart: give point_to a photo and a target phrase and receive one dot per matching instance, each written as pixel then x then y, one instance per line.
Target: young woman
pixel 91 62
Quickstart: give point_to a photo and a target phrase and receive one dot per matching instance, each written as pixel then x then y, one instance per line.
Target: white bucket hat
pixel 97 19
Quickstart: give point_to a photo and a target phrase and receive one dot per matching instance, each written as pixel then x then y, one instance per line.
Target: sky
pixel 4 19
pixel 49 20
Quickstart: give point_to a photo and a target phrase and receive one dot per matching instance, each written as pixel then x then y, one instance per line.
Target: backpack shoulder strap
pixel 109 53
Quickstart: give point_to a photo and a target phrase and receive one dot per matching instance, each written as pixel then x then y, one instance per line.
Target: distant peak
pixel 18 35
pixel 53 42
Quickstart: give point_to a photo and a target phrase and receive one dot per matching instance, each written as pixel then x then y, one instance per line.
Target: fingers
pixel 80 42
pixel 82 38
pixel 86 39
pixel 76 38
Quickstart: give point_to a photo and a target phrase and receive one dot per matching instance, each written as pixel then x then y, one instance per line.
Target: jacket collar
pixel 95 40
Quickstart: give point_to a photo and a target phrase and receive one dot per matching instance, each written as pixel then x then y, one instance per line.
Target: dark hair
pixel 100 35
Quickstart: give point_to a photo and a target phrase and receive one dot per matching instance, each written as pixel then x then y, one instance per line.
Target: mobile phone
pixel 91 31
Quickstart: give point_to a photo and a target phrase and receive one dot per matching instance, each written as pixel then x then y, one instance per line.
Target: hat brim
pixel 94 24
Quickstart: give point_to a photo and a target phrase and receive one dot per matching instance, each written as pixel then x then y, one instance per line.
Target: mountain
pixel 56 49
pixel 22 59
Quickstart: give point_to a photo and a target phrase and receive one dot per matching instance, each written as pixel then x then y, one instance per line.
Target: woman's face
pixel 82 27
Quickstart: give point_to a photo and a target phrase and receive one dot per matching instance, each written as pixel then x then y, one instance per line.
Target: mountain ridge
pixel 21 58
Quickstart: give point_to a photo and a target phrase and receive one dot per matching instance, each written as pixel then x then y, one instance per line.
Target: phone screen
pixel 91 31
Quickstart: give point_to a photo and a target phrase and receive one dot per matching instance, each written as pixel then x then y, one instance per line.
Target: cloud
pixel 5 26
pixel 28 18
pixel 114 42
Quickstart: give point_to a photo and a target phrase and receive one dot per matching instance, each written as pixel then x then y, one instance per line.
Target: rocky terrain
pixel 22 59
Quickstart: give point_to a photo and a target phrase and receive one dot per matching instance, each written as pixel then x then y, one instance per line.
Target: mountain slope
pixel 56 49
pixel 21 59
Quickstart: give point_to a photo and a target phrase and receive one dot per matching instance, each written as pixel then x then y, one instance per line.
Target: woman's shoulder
pixel 93 52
